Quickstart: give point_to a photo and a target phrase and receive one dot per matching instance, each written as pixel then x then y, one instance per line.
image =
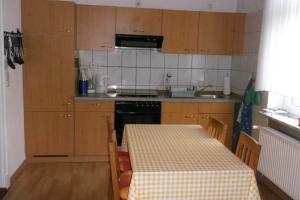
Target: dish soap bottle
pixel 82 84
pixel 167 82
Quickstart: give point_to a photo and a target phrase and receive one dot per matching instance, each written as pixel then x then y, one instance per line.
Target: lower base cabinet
pixel 91 133
pixel 49 133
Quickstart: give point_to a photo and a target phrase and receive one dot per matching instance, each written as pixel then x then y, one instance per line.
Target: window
pixel 279 53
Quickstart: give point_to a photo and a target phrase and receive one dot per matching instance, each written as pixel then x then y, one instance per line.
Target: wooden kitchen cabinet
pixel 49 72
pixel 139 21
pixel 179 113
pixel 44 17
pixel 49 77
pixel 91 134
pixel 96 27
pixel 239 33
pixel 49 133
pixel 216 33
pixel 180 31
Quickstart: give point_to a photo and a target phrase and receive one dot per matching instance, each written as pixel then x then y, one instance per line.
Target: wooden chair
pixel 120 182
pixel 123 155
pixel 248 150
pixel 217 129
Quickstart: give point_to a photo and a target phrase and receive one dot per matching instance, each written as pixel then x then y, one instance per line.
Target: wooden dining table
pixel 184 162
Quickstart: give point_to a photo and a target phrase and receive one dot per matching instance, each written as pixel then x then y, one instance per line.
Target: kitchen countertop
pixel 161 97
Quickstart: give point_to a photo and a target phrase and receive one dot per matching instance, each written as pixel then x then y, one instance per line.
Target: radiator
pixel 280 160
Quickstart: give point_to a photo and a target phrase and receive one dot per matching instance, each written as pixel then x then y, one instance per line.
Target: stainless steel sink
pixel 210 96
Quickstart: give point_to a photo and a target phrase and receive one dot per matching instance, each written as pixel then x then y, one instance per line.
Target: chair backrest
pixel 217 129
pixel 114 171
pixel 248 150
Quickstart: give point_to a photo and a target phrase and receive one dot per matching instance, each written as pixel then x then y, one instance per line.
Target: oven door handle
pixel 133 113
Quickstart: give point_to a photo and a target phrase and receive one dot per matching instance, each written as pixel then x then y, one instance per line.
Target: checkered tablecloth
pixel 184 162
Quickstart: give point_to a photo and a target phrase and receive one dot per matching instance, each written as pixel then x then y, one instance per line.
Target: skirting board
pixel 68 159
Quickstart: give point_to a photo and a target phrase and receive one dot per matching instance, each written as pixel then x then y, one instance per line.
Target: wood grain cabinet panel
pixel 96 27
pixel 139 21
pixel 49 133
pixel 216 33
pixel 179 118
pixel 44 17
pixel 216 107
pixel 49 73
pixel 180 31
pixel 179 107
pixel 179 113
pixel 103 106
pixel 91 134
pixel 239 33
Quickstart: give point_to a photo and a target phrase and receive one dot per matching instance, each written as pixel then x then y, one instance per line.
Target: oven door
pixel 122 118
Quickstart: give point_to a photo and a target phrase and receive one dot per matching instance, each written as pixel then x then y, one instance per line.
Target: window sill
pixel 286 119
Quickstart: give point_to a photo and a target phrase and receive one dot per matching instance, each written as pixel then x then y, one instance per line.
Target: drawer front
pixel 87 105
pixel 216 107
pixel 179 118
pixel 179 107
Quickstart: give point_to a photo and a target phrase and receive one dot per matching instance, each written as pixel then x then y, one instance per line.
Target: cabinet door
pixel 139 21
pixel 91 133
pixel 180 31
pixel 179 118
pixel 49 133
pixel 43 17
pixel 238 33
pixel 216 33
pixel 226 118
pixel 61 17
pixel 49 73
pixel 96 27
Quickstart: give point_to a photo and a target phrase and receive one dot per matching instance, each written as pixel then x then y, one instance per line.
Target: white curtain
pixel 279 53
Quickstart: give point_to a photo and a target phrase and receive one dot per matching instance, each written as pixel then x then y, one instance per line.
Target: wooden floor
pixel 62 181
pixel 74 181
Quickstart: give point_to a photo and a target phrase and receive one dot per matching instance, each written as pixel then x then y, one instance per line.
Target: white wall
pixel 243 67
pixel 209 5
pixel 13 96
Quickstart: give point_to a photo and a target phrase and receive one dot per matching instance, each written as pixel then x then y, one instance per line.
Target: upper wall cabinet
pixel 139 21
pixel 216 33
pixel 180 31
pixel 238 33
pixel 47 17
pixel 96 27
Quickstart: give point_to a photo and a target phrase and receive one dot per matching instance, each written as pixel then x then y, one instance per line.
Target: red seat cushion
pixel 123 153
pixel 125 166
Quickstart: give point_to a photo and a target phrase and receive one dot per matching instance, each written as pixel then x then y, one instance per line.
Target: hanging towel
pixel 250 98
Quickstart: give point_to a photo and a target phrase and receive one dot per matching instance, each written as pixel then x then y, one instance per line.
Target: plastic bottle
pixel 82 84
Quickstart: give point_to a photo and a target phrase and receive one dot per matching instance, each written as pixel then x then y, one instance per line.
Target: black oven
pixel 135 112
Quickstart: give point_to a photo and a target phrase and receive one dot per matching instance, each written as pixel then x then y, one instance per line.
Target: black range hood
pixel 139 41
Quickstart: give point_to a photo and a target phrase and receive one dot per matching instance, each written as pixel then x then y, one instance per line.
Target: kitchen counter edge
pixel 104 97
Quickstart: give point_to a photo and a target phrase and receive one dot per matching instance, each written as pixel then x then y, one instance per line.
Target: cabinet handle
pixel 188 116
pixel 203 117
pixel 68 31
pixel 104 46
pixel 67 116
pixel 97 104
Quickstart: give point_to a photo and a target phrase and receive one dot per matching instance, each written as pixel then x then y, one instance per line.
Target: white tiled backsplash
pixel 147 69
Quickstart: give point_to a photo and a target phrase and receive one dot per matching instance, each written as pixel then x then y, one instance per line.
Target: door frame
pixel 3 130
